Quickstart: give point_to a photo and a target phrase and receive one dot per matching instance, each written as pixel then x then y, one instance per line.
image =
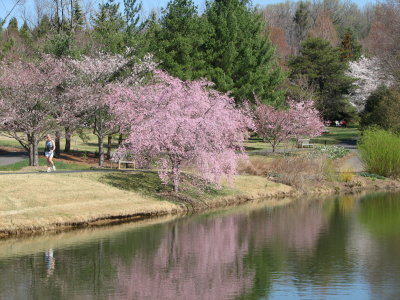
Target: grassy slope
pixel 40 201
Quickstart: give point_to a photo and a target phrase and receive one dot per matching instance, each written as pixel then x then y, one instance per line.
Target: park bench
pixel 304 143
pixel 127 158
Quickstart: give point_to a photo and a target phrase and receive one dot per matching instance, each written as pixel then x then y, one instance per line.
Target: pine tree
pixel 78 18
pixel 240 59
pixel 109 28
pixel 25 31
pixel 321 64
pixel 43 28
pixel 132 8
pixel 302 20
pixel 13 25
pixel 2 22
pixel 351 50
pixel 179 40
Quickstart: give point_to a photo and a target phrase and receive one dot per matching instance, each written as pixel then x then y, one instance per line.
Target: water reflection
pixel 50 261
pixel 342 247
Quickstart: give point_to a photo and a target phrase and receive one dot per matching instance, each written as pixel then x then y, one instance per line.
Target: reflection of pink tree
pixel 206 259
pixel 295 226
pixel 213 251
pixel 181 123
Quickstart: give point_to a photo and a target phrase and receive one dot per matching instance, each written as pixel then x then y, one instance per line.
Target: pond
pixel 339 248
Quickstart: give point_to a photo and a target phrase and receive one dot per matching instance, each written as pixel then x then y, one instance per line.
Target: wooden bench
pixel 127 158
pixel 304 143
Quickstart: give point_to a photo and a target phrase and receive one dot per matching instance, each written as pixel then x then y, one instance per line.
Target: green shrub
pixel 380 152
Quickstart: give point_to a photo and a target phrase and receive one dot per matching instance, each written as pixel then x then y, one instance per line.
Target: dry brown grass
pixel 44 201
pixel 298 171
pixel 255 165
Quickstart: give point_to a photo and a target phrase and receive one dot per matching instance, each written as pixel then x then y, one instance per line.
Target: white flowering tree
pixel 369 76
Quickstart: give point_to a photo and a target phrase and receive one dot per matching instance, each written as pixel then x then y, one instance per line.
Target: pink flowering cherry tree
pixel 91 88
pixel 28 102
pixel 275 125
pixel 305 119
pixel 180 124
pixel 272 124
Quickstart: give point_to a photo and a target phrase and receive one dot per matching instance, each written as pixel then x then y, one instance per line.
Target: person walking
pixel 49 153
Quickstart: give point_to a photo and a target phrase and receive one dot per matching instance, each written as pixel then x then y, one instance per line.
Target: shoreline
pixel 170 205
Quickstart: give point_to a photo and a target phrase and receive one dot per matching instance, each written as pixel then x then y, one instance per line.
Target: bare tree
pixel 325 29
pixel 384 37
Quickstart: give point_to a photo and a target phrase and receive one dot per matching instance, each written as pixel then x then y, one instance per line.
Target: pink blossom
pixel 181 124
pixel 29 100
pixel 277 125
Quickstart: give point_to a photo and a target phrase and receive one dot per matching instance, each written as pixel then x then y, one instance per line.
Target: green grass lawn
pixel 337 135
pixel 42 162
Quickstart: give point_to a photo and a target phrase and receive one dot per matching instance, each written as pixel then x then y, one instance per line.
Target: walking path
pixel 353 163
pixel 76 171
pixel 12 158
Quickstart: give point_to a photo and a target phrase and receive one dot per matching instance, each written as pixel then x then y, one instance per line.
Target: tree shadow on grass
pixel 147 183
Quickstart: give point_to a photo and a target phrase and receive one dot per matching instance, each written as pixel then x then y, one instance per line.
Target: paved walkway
pixel 77 171
pixel 353 163
pixel 12 158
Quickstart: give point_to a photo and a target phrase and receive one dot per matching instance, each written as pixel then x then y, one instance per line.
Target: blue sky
pixel 148 5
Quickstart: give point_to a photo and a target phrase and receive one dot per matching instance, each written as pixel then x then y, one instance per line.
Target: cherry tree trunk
pixel 33 150
pixel 30 155
pixel 68 135
pixel 57 140
pixel 109 141
pixel 101 150
pixel 120 139
pixel 176 175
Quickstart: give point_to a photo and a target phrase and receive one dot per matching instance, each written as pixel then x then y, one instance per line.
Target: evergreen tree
pixel 25 32
pixel 43 28
pixel 78 18
pixel 132 8
pixel 302 20
pixel 13 26
pixel 179 40
pixel 109 28
pixel 2 22
pixel 240 59
pixel 322 65
pixel 351 50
